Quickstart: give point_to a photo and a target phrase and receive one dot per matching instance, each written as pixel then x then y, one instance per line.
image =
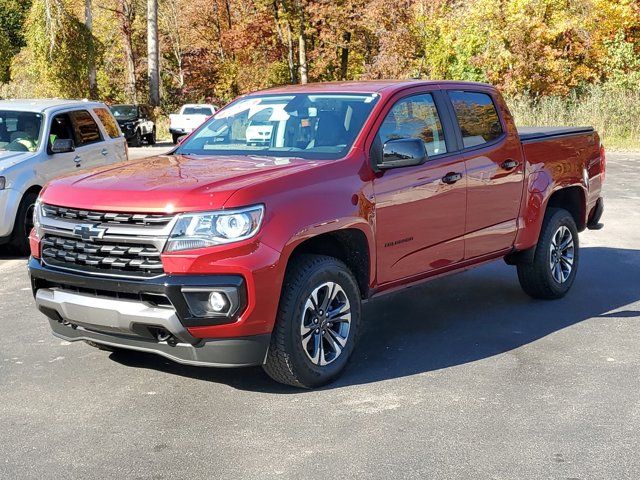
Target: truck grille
pixel 65 213
pixel 102 256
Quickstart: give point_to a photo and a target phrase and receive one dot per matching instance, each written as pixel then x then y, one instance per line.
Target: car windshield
pixel 20 131
pixel 197 111
pixel 124 112
pixel 309 126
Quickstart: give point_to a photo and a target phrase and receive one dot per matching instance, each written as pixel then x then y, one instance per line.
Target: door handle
pixel 104 152
pixel 509 164
pixel 451 177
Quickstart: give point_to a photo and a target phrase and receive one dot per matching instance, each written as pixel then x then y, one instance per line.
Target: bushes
pixel 613 111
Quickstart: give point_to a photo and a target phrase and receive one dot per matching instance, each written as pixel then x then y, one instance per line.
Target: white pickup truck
pixel 44 139
pixel 191 116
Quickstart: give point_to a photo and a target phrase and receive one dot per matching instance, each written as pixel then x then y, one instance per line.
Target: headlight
pixel 3 183
pixel 205 229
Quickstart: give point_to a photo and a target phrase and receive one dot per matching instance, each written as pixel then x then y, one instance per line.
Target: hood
pixel 9 159
pixel 168 183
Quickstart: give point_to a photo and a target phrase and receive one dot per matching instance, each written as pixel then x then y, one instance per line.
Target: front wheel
pixel 317 324
pixel 24 223
pixel 151 138
pixel 555 263
pixel 136 141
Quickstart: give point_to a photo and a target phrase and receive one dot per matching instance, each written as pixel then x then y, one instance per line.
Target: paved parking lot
pixel 462 378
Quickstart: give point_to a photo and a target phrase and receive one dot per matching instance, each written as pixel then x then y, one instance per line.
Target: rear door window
pixel 108 122
pixel 477 117
pixel 85 128
pixel 415 117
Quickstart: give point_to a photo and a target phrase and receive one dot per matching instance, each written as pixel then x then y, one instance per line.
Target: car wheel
pixel 175 137
pixel 136 141
pixel 19 241
pixel 317 324
pixel 151 138
pixel 555 263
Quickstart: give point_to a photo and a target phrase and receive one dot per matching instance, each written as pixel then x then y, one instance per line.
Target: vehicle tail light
pixel 603 162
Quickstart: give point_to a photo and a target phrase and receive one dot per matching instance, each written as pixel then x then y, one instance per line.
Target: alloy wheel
pixel 325 323
pixel 561 254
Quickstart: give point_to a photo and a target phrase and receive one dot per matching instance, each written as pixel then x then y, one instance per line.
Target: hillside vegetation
pixel 558 61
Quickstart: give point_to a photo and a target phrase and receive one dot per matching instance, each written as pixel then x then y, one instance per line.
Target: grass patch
pixel 614 113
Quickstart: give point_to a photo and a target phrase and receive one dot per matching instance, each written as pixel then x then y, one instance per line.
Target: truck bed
pixel 528 134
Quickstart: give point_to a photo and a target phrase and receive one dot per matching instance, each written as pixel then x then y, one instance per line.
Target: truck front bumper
pixel 117 319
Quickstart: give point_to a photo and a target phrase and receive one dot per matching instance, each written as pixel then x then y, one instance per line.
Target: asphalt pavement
pixel 464 377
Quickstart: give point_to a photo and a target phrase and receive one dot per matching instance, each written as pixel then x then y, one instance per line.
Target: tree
pixel 153 53
pixel 88 23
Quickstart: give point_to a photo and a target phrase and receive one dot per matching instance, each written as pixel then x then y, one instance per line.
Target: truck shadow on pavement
pixel 453 321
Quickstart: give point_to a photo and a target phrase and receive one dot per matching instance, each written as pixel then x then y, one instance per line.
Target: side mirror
pixel 62 145
pixel 404 152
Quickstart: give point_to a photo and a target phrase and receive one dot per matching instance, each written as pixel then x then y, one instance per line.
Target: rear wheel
pixel 175 137
pixel 24 223
pixel 553 270
pixel 317 324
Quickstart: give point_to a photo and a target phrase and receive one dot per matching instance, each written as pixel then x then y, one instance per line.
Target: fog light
pixel 218 302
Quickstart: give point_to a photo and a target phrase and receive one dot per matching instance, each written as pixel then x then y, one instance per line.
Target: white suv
pixel 41 140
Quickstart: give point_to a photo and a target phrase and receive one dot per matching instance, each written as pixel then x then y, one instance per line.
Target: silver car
pixel 41 140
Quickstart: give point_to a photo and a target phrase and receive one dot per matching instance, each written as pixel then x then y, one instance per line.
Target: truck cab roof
pixel 44 105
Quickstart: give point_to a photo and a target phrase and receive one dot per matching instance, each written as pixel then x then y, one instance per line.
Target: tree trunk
pixel 152 53
pixel 302 47
pixel 344 55
pixel 291 55
pixel 88 22
pixel 125 14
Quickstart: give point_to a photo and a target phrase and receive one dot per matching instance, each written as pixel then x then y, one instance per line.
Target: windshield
pixel 20 131
pixel 123 112
pixel 197 111
pixel 310 126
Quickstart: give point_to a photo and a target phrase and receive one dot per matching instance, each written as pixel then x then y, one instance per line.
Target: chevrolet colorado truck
pixel 229 253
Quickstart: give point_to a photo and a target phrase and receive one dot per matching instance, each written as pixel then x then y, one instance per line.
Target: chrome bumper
pixel 131 325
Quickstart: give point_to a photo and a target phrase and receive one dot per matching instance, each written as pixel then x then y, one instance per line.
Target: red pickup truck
pixel 257 239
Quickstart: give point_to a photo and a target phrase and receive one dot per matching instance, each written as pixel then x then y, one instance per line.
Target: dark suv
pixel 137 122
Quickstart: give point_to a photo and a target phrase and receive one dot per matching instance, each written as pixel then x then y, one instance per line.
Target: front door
pixel 420 210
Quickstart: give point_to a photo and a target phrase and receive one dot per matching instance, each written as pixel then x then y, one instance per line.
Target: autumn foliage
pixel 217 49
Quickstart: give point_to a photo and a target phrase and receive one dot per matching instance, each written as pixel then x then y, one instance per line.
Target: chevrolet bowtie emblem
pixel 89 232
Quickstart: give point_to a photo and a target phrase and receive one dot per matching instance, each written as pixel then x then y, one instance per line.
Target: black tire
pixel 537 278
pixel 174 137
pixel 287 361
pixel 19 241
pixel 136 141
pixel 151 138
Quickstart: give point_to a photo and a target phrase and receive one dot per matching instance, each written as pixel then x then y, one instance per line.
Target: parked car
pixel 43 139
pixel 188 119
pixel 137 122
pixel 224 253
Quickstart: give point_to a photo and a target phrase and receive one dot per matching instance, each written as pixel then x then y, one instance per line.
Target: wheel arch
pixel 351 245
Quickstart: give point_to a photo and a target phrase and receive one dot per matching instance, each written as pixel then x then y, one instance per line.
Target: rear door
pixel 495 170
pixel 420 213
pixel 114 140
pixel 91 147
